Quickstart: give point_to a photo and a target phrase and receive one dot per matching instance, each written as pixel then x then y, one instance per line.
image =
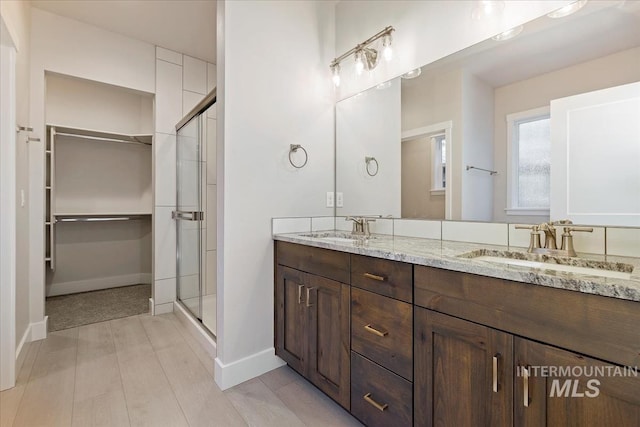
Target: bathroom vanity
pixel 408 331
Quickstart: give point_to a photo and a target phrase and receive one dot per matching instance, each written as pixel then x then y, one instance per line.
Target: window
pixel 439 164
pixel 529 157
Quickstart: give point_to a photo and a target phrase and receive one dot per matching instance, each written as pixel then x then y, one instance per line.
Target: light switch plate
pixel 339 200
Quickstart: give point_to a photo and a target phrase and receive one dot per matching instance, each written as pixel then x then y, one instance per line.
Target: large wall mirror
pixel 545 124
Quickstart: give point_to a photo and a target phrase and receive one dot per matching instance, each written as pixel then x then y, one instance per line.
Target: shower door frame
pixel 198 215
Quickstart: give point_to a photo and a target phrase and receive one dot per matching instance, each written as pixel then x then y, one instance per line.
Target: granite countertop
pixel 458 256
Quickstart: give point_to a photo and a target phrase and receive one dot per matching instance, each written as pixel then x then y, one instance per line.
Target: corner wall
pixel 17 16
pixel 276 90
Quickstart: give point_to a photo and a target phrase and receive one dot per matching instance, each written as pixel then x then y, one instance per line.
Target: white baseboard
pixel 26 338
pixel 237 372
pixel 39 329
pixel 96 284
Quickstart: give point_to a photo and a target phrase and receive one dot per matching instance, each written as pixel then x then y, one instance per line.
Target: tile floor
pixel 149 371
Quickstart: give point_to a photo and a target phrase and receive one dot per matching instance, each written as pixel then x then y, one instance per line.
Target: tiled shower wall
pixel 181 82
pixel 619 241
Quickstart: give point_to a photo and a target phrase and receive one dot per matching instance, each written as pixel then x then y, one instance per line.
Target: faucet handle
pixel 534 241
pixel 567 239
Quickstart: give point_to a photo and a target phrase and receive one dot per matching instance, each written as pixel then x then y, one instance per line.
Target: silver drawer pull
pixel 381 407
pixel 375 331
pixel 375 277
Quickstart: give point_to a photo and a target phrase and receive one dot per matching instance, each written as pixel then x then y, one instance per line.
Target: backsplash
pixel 619 241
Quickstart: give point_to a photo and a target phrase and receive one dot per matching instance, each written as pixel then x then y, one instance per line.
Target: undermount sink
pixel 332 236
pixel 547 262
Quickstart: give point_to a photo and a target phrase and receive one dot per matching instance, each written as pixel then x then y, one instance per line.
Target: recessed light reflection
pixel 509 34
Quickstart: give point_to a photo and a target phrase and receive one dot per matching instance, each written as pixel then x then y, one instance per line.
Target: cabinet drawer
pixel 388 400
pixel 322 262
pixel 390 278
pixel 382 330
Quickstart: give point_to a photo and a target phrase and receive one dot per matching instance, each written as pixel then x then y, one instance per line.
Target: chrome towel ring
pixel 368 161
pixel 292 149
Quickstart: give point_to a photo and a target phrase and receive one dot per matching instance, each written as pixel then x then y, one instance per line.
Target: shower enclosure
pixel 195 282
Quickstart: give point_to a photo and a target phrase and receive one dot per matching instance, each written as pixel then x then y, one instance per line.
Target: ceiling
pixel 546 45
pixel 187 26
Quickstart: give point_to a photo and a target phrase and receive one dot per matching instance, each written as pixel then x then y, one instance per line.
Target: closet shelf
pixel 144 139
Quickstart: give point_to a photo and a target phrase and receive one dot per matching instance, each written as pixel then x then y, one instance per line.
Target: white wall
pixel 87 104
pixel 368 125
pixel 272 69
pixel 17 17
pixel 425 31
pixel 477 149
pixel 612 70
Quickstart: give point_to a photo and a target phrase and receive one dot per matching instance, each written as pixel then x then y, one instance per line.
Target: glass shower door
pixel 189 216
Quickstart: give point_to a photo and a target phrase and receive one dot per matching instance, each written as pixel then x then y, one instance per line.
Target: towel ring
pixel 368 161
pixel 292 149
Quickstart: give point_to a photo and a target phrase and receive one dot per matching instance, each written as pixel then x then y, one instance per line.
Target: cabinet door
pixel 463 372
pixel 579 396
pixel 327 302
pixel 291 339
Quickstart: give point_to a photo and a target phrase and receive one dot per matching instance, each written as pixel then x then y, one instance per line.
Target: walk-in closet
pixel 98 182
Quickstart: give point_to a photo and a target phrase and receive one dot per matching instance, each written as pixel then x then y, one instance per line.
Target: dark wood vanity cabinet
pixel 463 372
pixel 588 400
pixel 400 344
pixel 488 369
pixel 312 320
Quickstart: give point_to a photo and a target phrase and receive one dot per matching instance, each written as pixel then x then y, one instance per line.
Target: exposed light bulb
pixel 568 9
pixel 509 34
pixel 387 50
pixel 336 75
pixel 359 63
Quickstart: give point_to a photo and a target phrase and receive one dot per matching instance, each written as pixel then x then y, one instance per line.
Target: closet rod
pixel 99 218
pixel 99 138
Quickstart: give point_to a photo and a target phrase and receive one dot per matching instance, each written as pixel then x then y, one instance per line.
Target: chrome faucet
pixel 360 225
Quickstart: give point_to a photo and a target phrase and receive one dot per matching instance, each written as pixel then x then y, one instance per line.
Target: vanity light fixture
pixel 509 34
pixel 412 74
pixel 366 57
pixel 568 9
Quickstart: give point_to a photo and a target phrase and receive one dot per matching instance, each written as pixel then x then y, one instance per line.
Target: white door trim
pixel 8 212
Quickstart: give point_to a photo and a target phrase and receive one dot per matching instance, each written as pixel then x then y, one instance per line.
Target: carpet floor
pixel 69 311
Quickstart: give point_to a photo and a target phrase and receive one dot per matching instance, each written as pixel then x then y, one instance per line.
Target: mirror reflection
pixel 542 125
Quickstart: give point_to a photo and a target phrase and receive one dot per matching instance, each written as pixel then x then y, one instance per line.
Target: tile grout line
pixel 113 341
pixel 173 392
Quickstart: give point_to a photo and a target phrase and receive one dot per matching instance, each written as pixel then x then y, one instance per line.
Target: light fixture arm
pixel 362 46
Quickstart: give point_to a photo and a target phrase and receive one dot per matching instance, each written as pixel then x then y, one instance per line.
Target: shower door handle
pixel 187 215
